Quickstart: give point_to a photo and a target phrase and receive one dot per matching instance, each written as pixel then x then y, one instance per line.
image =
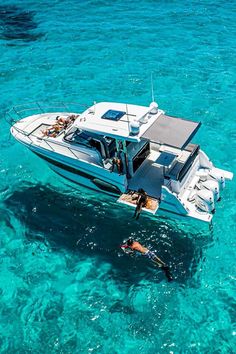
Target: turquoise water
pixel 65 286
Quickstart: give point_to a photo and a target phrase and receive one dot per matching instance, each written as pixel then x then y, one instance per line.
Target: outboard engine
pixel 204 200
pixel 212 185
pixel 203 174
pixel 219 177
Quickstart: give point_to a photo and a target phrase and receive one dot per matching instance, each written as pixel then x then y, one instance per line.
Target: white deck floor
pixel 148 177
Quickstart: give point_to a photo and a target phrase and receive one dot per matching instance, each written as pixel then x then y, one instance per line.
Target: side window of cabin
pixel 96 144
pixel 80 137
pixel 99 146
pixel 111 145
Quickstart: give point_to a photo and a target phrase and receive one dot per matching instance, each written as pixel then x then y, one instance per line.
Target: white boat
pixel 153 150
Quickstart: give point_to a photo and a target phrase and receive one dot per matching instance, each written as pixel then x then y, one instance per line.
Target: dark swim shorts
pixel 151 255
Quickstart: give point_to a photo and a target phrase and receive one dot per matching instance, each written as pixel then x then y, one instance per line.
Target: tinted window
pixel 82 138
pixel 70 134
pixel 141 156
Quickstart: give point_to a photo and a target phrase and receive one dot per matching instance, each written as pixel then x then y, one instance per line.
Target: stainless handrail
pixel 50 142
pixel 18 111
pixel 15 113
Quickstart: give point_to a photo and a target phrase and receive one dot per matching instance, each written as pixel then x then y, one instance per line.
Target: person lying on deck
pixel 61 123
pixel 141 202
pixel 52 131
pixel 132 246
pixel 65 121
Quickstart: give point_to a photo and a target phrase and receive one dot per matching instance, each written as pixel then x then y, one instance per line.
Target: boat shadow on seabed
pixel 96 229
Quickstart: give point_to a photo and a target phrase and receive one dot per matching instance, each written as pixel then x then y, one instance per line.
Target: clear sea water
pixel 65 286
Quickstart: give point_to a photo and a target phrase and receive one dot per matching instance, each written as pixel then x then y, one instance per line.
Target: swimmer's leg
pixel 158 261
pixel 167 273
pixel 163 266
pixel 135 212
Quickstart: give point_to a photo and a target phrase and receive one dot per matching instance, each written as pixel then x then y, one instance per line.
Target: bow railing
pixel 34 108
pixel 19 112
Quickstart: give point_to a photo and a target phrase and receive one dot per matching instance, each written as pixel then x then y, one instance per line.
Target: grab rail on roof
pixel 21 111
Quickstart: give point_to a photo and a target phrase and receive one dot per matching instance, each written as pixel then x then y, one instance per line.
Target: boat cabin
pixel 154 148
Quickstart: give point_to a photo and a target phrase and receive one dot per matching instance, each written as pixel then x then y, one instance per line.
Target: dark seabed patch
pixel 15 23
pixel 61 222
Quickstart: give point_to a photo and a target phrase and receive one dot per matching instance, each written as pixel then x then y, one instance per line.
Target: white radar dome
pixel 134 127
pixel 153 108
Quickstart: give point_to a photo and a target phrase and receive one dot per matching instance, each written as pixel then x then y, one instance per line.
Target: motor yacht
pixel 120 148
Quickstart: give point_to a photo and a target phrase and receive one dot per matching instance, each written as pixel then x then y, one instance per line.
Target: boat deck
pixel 131 198
pixel 148 176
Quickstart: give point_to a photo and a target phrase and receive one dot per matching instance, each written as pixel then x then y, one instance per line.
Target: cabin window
pixel 83 139
pixel 70 134
pixel 141 156
pixel 96 144
pixel 78 136
pixel 111 145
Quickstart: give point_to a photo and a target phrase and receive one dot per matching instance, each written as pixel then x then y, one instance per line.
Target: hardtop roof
pixel 92 120
pixel 172 131
pixel 158 128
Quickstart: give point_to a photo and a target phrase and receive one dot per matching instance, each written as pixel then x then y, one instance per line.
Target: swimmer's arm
pixel 127 249
pixel 124 246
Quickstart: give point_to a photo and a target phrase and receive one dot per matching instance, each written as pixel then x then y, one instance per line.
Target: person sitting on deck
pixel 134 246
pixel 61 123
pixel 141 202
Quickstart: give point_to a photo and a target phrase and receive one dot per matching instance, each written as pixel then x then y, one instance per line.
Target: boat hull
pixel 106 188
pixel 89 179
pixel 80 176
pixel 93 183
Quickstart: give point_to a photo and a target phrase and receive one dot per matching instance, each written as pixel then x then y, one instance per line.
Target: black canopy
pixel 176 132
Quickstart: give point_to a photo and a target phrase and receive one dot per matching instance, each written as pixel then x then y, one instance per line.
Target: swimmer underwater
pixel 131 246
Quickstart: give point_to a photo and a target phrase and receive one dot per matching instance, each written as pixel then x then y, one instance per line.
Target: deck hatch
pixel 112 114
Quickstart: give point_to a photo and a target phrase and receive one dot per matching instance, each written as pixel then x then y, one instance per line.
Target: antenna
pixel 127 117
pixel 153 98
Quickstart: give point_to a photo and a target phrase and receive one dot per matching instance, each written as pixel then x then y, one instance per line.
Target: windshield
pixel 78 136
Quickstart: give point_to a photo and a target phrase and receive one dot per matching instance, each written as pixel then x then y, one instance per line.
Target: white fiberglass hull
pixel 86 182
pixel 165 209
pixel 111 184
pixel 82 173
